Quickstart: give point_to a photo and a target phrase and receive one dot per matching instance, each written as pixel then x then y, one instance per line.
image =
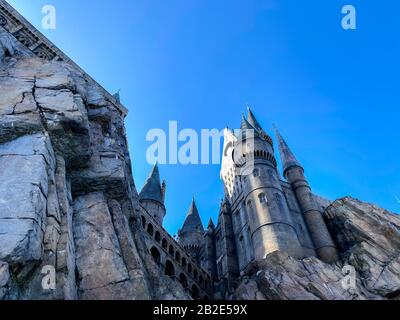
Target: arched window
pixel 171 250
pixel 263 198
pixel 169 269
pixel 183 262
pixel 155 254
pixel 177 256
pixel 183 280
pixel 143 222
pixel 256 173
pixel 250 204
pixel 164 244
pixel 157 236
pixel 195 292
pixel 195 273
pixel 189 268
pixel 150 229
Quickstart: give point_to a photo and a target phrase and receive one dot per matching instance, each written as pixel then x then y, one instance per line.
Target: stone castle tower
pixel 261 213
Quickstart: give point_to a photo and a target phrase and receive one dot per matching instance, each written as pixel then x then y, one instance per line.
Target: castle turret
pixel 210 249
pixel 152 196
pixel 270 221
pixel 191 236
pixel 294 173
pixel 228 267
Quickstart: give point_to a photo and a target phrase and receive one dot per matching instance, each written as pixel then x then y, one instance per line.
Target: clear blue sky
pixel 333 93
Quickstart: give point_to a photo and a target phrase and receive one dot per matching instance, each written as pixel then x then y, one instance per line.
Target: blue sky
pixel 334 94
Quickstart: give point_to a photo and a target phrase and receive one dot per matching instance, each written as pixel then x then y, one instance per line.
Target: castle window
pixel 263 198
pixel 143 222
pixel 256 173
pixel 177 256
pixel 183 280
pixel 195 292
pixel 164 244
pixel 250 204
pixel 150 229
pixel 169 269
pixel 171 250
pixel 183 262
pixel 157 237
pixel 189 268
pixel 156 255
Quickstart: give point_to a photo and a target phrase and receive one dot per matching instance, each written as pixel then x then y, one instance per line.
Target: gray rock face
pixel 68 204
pixel 25 165
pixel 368 238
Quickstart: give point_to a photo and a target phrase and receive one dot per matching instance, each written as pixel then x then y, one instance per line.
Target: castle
pixel 261 213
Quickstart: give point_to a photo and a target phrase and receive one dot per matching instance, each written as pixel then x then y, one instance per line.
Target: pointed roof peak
pixel 152 189
pixel 253 120
pixel 287 157
pixel 211 224
pixel 193 220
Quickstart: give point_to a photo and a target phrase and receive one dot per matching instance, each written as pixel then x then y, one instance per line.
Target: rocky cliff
pixel 368 238
pixel 68 204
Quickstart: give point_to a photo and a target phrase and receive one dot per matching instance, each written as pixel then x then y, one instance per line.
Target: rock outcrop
pixel 68 204
pixel 368 238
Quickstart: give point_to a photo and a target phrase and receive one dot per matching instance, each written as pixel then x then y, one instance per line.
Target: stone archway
pixel 169 269
pixel 183 280
pixel 195 292
pixel 156 255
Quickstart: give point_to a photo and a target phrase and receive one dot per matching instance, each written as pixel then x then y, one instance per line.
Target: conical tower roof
pixel 193 220
pixel 152 187
pixel 245 126
pixel 252 120
pixel 211 224
pixel 287 157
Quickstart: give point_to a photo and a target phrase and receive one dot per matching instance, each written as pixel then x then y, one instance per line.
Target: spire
pixel 152 189
pixel 245 125
pixel 193 220
pixel 211 224
pixel 117 96
pixel 287 157
pixel 252 120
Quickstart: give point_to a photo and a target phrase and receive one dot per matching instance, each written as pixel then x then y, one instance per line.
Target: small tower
pixel 228 266
pixel 294 173
pixel 269 217
pixel 210 249
pixel 152 196
pixel 191 236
